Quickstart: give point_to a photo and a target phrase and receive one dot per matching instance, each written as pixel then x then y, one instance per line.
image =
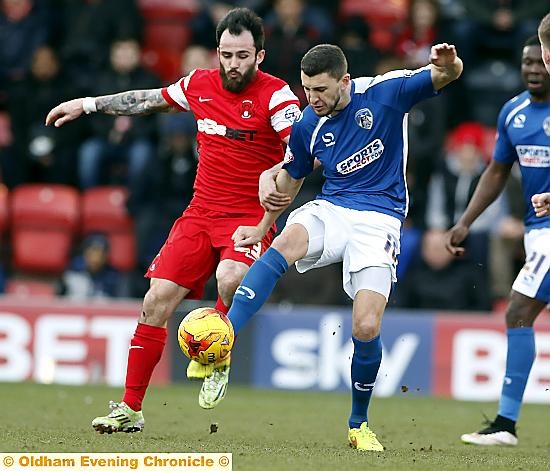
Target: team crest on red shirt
pixel 247 109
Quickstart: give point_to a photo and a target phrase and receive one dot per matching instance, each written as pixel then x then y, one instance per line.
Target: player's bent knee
pixel 292 243
pixel 229 276
pixel 161 300
pixel 227 288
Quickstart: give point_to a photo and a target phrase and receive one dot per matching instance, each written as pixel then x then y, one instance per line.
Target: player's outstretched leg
pixel 500 432
pixel 121 419
pixel 214 385
pixel 364 439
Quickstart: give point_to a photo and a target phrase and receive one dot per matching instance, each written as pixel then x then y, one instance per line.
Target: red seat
pixel 104 211
pixel 26 288
pixel 164 63
pixel 41 251
pixel 167 34
pixel 40 205
pixel 177 9
pixel 385 18
pixel 383 11
pixel 44 222
pixel 122 253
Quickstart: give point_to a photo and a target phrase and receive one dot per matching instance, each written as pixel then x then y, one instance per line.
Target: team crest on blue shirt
pixel 364 118
pixel 546 125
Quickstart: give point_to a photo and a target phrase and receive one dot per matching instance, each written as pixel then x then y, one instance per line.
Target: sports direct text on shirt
pixel 534 156
pixel 372 151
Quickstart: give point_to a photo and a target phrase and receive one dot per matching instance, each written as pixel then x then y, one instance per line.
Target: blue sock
pixel 256 287
pixel 364 368
pixel 519 359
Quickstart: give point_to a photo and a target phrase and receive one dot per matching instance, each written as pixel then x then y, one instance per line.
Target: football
pixel 206 335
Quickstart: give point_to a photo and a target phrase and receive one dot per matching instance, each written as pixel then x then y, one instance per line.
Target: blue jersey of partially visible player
pixel 523 134
pixel 363 148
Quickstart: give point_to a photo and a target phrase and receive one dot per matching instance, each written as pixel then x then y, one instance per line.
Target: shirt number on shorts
pixel 391 248
pixel 535 259
pixel 253 252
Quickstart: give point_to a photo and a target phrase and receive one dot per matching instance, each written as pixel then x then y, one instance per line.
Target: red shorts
pixel 197 242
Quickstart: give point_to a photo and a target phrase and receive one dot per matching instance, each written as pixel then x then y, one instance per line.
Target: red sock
pixel 145 351
pixel 220 306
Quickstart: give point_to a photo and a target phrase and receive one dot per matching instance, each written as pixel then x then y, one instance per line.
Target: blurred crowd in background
pixel 55 50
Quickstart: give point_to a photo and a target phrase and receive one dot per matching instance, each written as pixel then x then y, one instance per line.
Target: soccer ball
pixel 206 335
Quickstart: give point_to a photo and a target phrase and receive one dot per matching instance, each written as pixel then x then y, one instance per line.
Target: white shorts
pixel 533 280
pixel 359 239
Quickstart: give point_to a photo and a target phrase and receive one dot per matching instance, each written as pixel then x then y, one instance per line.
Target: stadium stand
pixel 384 17
pixel 4 209
pixel 166 35
pixel 104 211
pixel 44 223
pixel 24 288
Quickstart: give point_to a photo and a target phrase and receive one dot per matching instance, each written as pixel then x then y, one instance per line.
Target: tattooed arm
pixel 133 102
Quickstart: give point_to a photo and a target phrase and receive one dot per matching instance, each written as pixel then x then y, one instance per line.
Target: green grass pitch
pixel 271 430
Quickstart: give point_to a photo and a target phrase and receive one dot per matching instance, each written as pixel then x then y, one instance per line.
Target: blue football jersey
pixel 523 134
pixel 363 148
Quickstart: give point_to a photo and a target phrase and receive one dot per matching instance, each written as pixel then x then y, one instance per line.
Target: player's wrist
pixel 89 105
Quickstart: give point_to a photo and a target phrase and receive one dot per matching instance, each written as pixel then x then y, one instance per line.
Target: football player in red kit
pixel 243 117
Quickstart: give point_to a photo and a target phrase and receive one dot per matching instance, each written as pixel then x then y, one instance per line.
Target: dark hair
pixel 239 20
pixel 532 41
pixel 96 239
pixel 325 58
pixel 544 30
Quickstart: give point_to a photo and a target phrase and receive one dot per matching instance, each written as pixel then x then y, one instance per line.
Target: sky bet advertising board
pixel 452 355
pixel 299 348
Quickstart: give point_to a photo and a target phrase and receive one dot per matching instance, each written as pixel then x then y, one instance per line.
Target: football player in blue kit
pixel 541 202
pixel 357 128
pixel 523 136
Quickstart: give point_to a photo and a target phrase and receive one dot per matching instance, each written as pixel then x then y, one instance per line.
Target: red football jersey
pixel 239 135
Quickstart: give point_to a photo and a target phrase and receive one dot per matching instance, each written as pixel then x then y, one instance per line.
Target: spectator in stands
pixel 426 130
pixel 8 159
pixel 452 186
pixel 167 190
pixel 420 33
pixel 440 281
pixel 127 140
pixel 507 254
pixel 89 275
pixel 44 154
pixel 89 28
pixel 196 57
pixel 211 12
pixel 353 38
pixel 23 28
pixel 294 27
pixel 494 28
pixel 205 21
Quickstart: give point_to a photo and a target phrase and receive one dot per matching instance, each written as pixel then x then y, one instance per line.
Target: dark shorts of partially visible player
pixel 197 242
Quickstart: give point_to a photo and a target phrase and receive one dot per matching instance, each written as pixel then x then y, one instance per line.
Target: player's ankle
pixel 505 424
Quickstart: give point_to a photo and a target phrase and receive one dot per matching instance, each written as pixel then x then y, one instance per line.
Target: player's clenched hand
pixel 270 198
pixel 66 111
pixel 442 54
pixel 247 235
pixel 453 239
pixel 541 204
